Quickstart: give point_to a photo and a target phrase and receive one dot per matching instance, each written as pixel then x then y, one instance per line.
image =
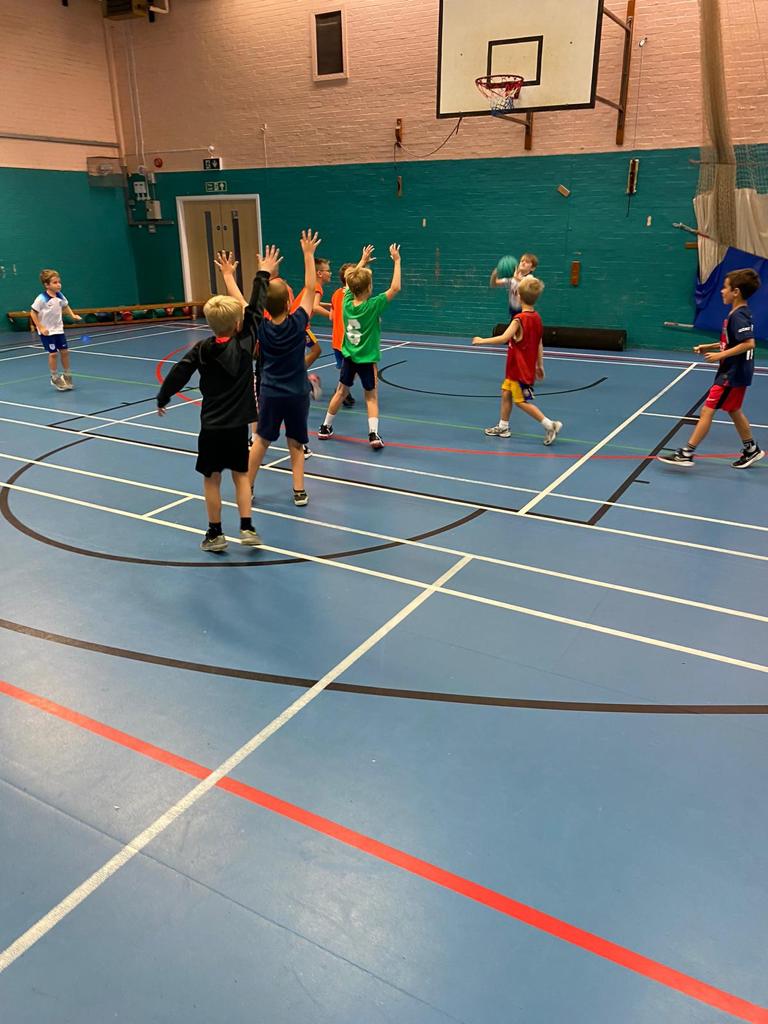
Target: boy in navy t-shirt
pixel 736 358
pixel 285 388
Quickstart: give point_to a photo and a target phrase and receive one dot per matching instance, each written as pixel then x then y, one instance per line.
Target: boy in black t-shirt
pixel 736 358
pixel 225 365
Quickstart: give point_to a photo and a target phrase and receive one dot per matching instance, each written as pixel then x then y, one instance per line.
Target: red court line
pixel 518 455
pixel 159 373
pixel 559 929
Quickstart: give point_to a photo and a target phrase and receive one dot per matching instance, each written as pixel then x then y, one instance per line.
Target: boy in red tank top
pixel 525 363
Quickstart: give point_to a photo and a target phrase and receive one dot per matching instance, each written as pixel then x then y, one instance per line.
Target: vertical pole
pixel 625 67
pixel 529 130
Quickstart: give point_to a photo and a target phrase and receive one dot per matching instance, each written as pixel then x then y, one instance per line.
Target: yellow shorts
pixel 520 392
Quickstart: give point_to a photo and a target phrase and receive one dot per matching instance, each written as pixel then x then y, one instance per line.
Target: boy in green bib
pixel 361 346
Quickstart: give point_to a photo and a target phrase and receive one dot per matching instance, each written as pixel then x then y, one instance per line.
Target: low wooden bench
pixel 106 316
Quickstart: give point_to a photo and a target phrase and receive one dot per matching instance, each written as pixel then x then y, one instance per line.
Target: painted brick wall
pixel 55 82
pixel 633 276
pixel 54 219
pixel 215 73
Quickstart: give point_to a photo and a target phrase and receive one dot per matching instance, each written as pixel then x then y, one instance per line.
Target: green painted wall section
pixel 454 219
pixel 55 219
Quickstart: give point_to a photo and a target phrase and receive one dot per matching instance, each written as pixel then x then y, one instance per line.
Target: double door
pixel 232 225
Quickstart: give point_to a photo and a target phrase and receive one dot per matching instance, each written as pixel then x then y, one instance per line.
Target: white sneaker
pixel 553 431
pixel 497 431
pixel 59 383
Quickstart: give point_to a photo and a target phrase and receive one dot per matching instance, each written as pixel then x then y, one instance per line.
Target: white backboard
pixel 554 44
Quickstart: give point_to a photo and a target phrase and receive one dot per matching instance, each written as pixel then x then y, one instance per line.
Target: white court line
pixel 91 344
pixel 389 538
pixel 601 444
pixel 435 588
pixel 688 419
pixel 406 581
pixel 325 366
pixel 86 351
pixel 459 503
pixel 159 825
pixel 171 504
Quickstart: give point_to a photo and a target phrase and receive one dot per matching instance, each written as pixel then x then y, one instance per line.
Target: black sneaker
pixel 307 451
pixel 375 441
pixel 747 458
pixel 300 498
pixel 348 402
pixel 325 431
pixel 678 458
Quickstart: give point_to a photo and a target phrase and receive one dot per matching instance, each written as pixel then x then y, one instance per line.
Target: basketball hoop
pixel 503 91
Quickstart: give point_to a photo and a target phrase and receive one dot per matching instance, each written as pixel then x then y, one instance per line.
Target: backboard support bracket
pixel 626 63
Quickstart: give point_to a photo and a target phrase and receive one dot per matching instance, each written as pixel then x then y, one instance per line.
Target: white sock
pixel 547 424
pixel 373 424
pixel 504 424
pixel 328 419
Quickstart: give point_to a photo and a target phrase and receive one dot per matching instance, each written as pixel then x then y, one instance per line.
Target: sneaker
pixel 58 383
pixel 325 431
pixel 498 431
pixel 678 458
pixel 300 498
pixel 215 542
pixel 348 402
pixel 250 539
pixel 67 377
pixel 747 458
pixel 307 451
pixel 552 433
pixel 375 441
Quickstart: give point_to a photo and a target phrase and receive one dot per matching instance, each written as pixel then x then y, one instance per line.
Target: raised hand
pixel 271 260
pixel 394 252
pixel 226 262
pixel 309 241
pixel 367 256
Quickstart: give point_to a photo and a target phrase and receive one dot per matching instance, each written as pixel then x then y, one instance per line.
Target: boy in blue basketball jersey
pixel 47 316
pixel 736 358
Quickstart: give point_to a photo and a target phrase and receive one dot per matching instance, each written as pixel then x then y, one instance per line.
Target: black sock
pixel 214 529
pixel 750 446
pixel 245 523
pixel 691 448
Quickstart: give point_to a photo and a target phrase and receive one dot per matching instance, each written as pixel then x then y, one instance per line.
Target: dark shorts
pixel 222 449
pixel 339 358
pixel 365 371
pixel 291 410
pixel 54 342
pixel 722 396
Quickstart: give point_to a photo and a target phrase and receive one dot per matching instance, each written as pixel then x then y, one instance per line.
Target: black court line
pixel 113 408
pixel 451 394
pixel 217 563
pixel 598 515
pixel 600 707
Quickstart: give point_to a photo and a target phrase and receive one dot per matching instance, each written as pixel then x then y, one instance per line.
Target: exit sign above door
pixel 215 186
pixel 213 163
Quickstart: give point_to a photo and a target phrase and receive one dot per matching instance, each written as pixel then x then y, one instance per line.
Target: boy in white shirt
pixel 47 316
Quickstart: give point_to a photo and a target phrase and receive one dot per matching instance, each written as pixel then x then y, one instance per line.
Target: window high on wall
pixel 329 44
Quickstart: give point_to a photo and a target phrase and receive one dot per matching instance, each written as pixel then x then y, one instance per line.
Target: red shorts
pixel 723 396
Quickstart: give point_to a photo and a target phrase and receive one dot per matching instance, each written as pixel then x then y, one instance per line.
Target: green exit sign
pixel 216 186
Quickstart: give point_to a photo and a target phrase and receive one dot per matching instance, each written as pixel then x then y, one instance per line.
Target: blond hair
pixel 224 315
pixel 359 280
pixel 529 289
pixel 48 275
